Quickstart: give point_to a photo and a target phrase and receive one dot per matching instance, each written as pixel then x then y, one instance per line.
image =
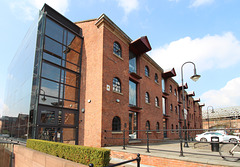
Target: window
pixel 132 93
pixel 132 62
pixel 177 128
pixel 116 85
pixel 147 99
pixel 176 109
pixel 157 127
pixel 171 107
pixel 147 71
pixel 170 89
pixel 117 49
pixel 156 102
pixel 164 106
pixel 175 92
pixel 116 124
pixel 172 128
pixel 148 125
pixel 163 85
pixel 156 78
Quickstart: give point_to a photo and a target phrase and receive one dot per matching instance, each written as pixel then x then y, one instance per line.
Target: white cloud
pixel 229 95
pixel 197 3
pixel 209 52
pixel 3 108
pixel 28 9
pixel 128 5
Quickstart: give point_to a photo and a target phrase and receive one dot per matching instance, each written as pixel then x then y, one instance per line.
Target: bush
pixel 80 154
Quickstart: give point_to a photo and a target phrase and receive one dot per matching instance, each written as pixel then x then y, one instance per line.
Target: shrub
pixel 80 154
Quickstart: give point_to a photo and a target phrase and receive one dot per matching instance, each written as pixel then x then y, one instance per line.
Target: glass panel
pixel 70 104
pixel 46 133
pixel 164 106
pixel 71 93
pixel 50 71
pixel 74 42
pixel 72 56
pixel 49 101
pixel 69 118
pixel 54 30
pixel 163 85
pixel 47 117
pixel 133 124
pixel 53 46
pixel 69 135
pixel 132 93
pixel 71 79
pixel 132 62
pixel 49 88
pixel 51 58
pixel 71 66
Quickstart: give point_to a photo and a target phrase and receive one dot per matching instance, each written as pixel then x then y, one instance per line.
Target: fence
pixel 138 159
pixel 182 136
pixel 6 153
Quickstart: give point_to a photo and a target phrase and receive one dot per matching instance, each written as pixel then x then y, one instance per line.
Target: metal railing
pixel 138 159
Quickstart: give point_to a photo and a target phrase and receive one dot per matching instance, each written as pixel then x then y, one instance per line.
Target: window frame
pixel 117 85
pixel 146 71
pixel 117 50
pixel 116 124
pixel 147 98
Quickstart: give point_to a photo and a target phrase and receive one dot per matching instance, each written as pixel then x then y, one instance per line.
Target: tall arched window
pixel 171 107
pixel 116 85
pixel 116 124
pixel 170 88
pixel 156 78
pixel 157 127
pixel 147 99
pixel 148 125
pixel 156 102
pixel 117 49
pixel 147 71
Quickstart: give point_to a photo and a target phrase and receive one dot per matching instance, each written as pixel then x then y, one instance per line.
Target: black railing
pixel 138 159
pixel 190 136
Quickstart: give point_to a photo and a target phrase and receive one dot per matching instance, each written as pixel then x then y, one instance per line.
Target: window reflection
pixel 54 30
pixel 132 62
pixel 47 117
pixel 50 88
pixel 51 58
pixel 69 119
pixel 132 93
pixel 50 71
pixel 53 46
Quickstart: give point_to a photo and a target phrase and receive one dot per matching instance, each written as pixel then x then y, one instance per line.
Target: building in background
pixel 222 118
pixel 85 82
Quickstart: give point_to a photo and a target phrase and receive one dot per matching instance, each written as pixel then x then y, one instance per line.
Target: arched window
pixel 147 71
pixel 117 49
pixel 170 88
pixel 156 78
pixel 177 128
pixel 157 127
pixel 172 128
pixel 171 107
pixel 175 92
pixel 156 102
pixel 116 124
pixel 148 125
pixel 176 109
pixel 116 85
pixel 147 99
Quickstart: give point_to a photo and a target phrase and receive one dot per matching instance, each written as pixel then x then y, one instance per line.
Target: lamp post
pixel 195 77
pixel 208 114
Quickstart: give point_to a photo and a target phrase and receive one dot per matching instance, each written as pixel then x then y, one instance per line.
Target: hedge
pixel 76 153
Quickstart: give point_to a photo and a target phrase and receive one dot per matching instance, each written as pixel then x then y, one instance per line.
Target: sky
pixel 206 32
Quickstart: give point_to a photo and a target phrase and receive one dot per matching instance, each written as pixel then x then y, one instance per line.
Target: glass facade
pixel 46 87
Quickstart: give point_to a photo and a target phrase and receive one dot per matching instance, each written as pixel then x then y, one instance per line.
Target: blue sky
pixel 206 32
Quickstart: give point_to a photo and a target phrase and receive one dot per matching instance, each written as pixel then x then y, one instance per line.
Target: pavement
pixel 196 152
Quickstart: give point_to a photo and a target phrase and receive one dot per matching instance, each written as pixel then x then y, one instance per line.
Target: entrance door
pixel 133 125
pixel 164 128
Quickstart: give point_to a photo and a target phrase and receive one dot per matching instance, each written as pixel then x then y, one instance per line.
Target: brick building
pixel 91 81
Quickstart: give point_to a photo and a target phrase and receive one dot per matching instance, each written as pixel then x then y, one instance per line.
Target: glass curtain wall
pixel 19 84
pixel 55 108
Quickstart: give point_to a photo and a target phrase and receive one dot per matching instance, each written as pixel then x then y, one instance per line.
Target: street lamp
pixel 195 77
pixel 208 114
